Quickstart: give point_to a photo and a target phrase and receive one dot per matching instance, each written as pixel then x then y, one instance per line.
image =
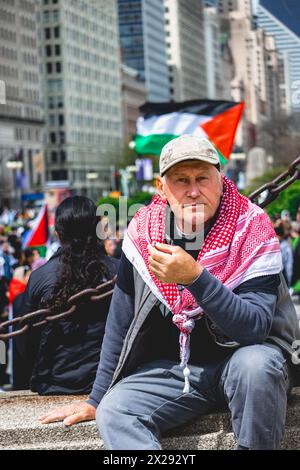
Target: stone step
pixel 90 444
pixel 224 441
pixel 20 428
pixel 212 441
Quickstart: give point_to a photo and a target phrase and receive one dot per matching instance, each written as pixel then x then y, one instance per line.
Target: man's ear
pixel 160 187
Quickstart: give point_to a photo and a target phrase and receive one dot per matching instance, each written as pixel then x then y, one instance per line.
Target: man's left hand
pixel 172 264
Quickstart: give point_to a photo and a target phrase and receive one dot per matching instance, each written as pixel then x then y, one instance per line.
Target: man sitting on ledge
pixel 200 278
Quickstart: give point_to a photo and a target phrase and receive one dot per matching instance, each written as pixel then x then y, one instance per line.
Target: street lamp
pixel 132 144
pixel 92 175
pixel 15 165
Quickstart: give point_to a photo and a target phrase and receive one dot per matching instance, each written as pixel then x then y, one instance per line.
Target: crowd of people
pixel 288 233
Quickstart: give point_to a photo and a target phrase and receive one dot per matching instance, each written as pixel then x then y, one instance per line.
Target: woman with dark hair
pixel 62 357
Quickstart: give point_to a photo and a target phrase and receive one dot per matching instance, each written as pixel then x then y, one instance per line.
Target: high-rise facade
pixel 143 44
pixel 255 62
pixel 218 62
pixel 133 96
pixel 257 69
pixel 82 92
pixel 281 19
pixel 21 112
pixel 243 6
pixel 186 49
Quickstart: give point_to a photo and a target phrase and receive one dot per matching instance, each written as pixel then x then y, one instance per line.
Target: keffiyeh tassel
pixel 184 341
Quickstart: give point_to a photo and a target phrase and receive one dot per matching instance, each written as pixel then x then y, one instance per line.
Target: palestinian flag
pixel 162 122
pixel 38 234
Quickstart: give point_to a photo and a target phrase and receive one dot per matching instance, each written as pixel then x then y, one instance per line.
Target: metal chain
pixel 273 188
pixel 44 316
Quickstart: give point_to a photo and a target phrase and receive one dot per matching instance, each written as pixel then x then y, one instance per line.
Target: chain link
pixel 273 188
pixel 44 316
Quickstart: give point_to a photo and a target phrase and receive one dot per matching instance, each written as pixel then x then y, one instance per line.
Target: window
pixel 54 85
pixel 58 67
pixel 48 51
pixel 55 14
pixel 61 120
pixel 49 68
pixel 60 102
pixel 48 33
pixel 53 157
pixel 52 136
pixel 63 156
pixel 59 175
pixel 57 49
pixel 56 32
pixel 51 102
pixel 51 120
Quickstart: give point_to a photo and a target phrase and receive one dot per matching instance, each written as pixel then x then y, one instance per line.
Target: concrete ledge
pixel 20 428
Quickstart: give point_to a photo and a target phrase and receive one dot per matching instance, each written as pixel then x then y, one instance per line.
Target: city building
pixel 280 18
pixel 243 6
pixel 257 69
pixel 21 112
pixel 274 68
pixel 82 92
pixel 186 49
pixel 143 44
pixel 219 66
pixel 133 96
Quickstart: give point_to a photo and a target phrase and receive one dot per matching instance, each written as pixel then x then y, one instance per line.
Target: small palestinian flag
pixel 162 122
pixel 38 234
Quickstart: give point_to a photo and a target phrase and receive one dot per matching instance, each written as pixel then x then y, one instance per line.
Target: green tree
pixel 138 198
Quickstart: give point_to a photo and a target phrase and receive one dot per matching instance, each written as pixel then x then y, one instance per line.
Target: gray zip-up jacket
pixel 234 320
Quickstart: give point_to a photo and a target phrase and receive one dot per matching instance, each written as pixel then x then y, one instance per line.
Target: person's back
pixel 62 357
pixel 286 253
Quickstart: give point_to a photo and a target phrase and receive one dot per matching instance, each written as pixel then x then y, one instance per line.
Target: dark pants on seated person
pixel 252 383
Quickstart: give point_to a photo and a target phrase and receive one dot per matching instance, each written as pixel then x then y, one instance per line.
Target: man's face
pixel 193 190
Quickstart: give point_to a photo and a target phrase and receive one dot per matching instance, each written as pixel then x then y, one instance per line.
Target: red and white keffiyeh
pixel 240 246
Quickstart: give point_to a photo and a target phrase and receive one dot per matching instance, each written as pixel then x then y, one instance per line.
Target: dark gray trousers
pixel 252 383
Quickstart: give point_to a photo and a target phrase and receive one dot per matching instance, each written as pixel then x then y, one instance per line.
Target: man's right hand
pixel 70 414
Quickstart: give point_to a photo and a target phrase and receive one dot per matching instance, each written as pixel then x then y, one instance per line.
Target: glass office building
pixel 143 44
pixel 281 19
